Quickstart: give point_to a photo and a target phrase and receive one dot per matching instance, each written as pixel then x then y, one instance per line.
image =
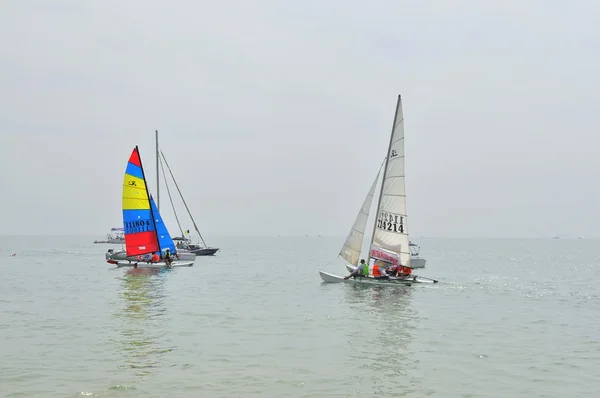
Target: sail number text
pixel 390 222
pixel 133 227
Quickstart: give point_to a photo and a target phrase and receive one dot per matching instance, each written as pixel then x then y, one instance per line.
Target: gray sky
pixel 275 115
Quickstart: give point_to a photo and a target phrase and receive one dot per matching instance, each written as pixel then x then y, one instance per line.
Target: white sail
pixel 390 232
pixel 351 249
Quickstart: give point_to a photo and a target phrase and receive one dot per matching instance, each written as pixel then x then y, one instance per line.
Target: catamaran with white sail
pixel 389 239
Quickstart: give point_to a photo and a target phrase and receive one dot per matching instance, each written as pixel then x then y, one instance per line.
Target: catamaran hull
pixel 122 255
pixel 204 251
pixel 175 264
pixel 417 262
pixel 330 278
pixel 412 278
pixel 111 241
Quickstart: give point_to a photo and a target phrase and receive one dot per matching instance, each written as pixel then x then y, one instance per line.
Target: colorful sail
pixel 139 227
pixel 164 238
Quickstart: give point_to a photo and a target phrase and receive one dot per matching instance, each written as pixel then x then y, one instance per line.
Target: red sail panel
pixel 141 243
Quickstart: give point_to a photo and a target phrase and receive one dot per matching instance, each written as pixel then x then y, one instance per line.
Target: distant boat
pixel 144 230
pixel 116 238
pixel 389 239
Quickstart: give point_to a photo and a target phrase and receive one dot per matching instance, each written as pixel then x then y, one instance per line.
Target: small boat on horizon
pixel 114 237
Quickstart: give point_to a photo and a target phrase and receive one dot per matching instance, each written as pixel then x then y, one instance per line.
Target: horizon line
pixel 329 236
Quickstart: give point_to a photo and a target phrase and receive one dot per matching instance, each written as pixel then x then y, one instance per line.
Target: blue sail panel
pixel 164 239
pixel 134 170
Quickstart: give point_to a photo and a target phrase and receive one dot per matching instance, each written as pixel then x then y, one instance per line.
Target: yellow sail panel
pixel 135 196
pixel 135 204
pixel 134 182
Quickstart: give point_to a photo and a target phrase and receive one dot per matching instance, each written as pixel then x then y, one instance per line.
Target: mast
pixel 181 195
pixel 387 158
pixel 157 175
pixel 148 196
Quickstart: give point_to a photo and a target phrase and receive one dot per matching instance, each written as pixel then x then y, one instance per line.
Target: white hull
pixel 111 241
pixel 175 264
pixel 122 255
pixel 412 278
pixel 330 278
pixel 417 262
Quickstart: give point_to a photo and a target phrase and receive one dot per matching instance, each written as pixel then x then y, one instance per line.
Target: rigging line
pixel 170 198
pixel 181 195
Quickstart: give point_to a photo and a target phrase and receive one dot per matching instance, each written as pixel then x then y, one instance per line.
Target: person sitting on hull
pixel 393 271
pixel 168 258
pixel 400 271
pixel 361 270
pixel 406 271
pixel 379 269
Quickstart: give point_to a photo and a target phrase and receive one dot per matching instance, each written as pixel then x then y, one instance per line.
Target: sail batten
pixel 389 241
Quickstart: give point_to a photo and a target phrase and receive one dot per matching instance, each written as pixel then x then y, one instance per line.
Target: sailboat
pixel 144 230
pixel 186 250
pixel 389 239
pixel 184 243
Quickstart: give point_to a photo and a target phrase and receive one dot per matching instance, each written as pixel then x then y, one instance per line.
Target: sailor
pixel 365 267
pixel 361 270
pixel 406 271
pixel 395 270
pixel 376 270
pixel 379 269
pixel 155 258
pixel 168 258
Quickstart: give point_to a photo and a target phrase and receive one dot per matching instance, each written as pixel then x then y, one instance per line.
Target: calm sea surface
pixel 510 318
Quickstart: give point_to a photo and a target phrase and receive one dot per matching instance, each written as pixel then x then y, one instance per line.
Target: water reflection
pixel 387 322
pixel 143 338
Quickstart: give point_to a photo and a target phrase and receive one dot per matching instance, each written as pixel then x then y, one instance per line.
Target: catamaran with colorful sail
pixel 389 241
pixel 186 249
pixel 144 230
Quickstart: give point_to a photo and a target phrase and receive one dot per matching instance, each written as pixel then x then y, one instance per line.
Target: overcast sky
pixel 275 115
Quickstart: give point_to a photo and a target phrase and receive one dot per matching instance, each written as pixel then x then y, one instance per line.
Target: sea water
pixel 509 318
